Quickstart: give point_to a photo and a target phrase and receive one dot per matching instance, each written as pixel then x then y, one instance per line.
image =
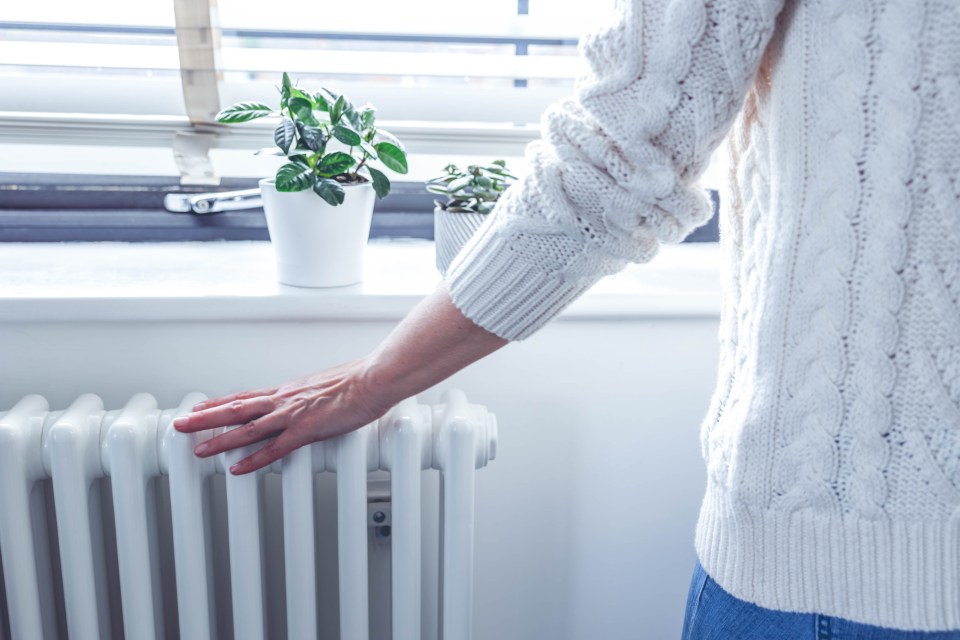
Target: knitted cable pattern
pixel 613 176
pixel 933 392
pixel 887 165
pixel 817 326
pixel 832 441
pixel 749 196
pixel 863 514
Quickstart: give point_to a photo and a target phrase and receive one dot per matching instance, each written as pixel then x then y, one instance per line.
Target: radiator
pixel 67 454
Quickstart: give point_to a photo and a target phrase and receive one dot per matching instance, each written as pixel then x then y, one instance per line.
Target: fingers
pixel 268 454
pixel 234 412
pixel 248 434
pixel 209 403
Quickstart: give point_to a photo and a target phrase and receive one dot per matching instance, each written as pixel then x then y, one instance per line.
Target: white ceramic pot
pixel 315 244
pixel 450 232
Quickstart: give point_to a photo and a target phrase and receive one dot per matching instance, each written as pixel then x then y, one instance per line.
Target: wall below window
pixel 584 525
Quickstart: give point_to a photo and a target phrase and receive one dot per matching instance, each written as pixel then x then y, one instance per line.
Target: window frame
pixel 46 208
pixel 129 208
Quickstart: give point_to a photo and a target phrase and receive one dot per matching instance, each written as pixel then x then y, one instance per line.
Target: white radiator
pixel 72 450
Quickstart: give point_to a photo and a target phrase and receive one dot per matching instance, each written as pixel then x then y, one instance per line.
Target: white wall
pixel 584 521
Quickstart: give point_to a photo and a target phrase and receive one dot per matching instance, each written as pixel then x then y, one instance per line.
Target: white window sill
pixel 236 281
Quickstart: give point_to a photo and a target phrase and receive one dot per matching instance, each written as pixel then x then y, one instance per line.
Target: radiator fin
pixel 76 449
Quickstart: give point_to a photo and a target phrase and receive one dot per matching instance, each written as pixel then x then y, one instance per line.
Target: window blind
pixel 420 61
pixel 502 61
pixel 96 57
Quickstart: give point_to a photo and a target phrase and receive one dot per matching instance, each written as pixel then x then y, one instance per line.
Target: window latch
pixel 203 203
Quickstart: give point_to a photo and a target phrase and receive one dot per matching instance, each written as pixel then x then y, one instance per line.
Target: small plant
pixel 475 190
pixel 308 123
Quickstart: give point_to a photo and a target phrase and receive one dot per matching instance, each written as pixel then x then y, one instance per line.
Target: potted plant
pixel 319 206
pixel 471 195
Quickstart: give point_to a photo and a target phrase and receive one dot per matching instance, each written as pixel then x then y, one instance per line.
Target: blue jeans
pixel 714 614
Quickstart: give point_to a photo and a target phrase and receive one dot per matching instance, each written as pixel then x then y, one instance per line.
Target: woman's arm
pixel 616 172
pixel 431 343
pixel 614 176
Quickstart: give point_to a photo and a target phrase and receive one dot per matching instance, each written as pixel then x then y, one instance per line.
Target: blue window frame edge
pixel 75 208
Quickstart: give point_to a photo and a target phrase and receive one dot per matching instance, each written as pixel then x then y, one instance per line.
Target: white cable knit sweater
pixel 833 439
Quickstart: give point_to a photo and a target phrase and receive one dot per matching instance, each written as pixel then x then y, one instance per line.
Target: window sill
pixel 194 281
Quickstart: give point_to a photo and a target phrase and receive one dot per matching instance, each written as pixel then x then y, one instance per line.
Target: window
pixel 106 57
pixel 431 60
pixel 109 97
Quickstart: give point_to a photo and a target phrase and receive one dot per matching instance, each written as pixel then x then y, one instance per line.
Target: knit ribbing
pixel 515 296
pixel 807 561
pixel 499 280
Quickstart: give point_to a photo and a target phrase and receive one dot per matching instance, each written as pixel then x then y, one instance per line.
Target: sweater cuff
pixel 495 284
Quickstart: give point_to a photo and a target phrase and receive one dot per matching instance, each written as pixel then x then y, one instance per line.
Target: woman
pixel 832 444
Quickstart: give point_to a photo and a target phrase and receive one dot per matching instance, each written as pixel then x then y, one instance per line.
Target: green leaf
pixel 368 115
pixel 368 149
pixel 346 135
pixel 285 134
pixel 500 163
pixel 443 179
pixel 294 176
pixel 392 156
pixel 335 163
pixel 325 99
pixel 484 182
pixel 313 137
pixel 329 190
pixel 302 110
pixel 385 136
pixel 337 110
pixel 244 112
pixel 460 183
pixel 500 173
pixel 486 207
pixel 352 116
pixel 285 88
pixel 435 188
pixel 296 93
pixel 381 184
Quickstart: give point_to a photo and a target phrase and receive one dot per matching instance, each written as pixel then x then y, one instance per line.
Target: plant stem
pixel 359 166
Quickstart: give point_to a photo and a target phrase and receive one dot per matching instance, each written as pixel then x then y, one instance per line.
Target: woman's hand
pixel 434 341
pixel 306 410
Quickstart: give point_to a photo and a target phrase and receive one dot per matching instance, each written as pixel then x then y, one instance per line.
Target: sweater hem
pixel 887 573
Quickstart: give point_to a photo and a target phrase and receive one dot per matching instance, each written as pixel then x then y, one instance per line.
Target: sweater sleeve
pixel 615 173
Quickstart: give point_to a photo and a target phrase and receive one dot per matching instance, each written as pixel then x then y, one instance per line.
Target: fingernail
pixel 199 406
pixel 180 422
pixel 201 448
pixel 234 468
